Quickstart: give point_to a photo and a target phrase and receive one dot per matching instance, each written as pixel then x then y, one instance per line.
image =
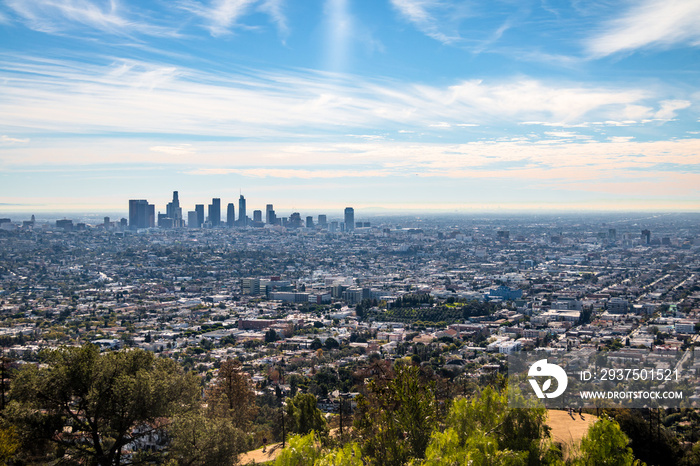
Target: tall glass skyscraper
pixel 242 219
pixel 141 214
pixel 215 212
pixel 230 215
pixel 349 219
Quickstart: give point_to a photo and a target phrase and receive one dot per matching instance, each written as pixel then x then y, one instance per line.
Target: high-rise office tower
pixel 230 215
pixel 257 216
pixel 242 219
pixel 322 221
pixel 309 222
pixel 141 214
pixel 646 236
pixel 173 211
pixel 193 219
pixel 215 212
pixel 199 208
pixel 269 215
pixel 349 219
pixel 295 220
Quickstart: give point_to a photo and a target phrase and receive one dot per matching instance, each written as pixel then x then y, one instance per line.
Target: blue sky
pixel 425 105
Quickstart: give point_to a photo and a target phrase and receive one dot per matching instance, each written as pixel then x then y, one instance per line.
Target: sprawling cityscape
pixel 308 304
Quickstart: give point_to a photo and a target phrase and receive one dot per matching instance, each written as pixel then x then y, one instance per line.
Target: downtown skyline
pixel 394 106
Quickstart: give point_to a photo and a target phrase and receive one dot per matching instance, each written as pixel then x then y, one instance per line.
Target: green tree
pixel 307 451
pixel 92 405
pixel 9 442
pixel 305 415
pixel 485 431
pixel 394 421
pixel 231 395
pixel 200 440
pixel 303 450
pixel 331 343
pixel 605 445
pixel 349 455
pixel 316 344
pixel 271 336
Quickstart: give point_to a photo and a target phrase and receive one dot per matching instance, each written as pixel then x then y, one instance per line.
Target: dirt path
pixel 257 456
pixel 567 430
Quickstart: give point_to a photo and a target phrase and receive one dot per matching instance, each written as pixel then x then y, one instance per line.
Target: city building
pixel 65 224
pixel 295 220
pixel 230 215
pixel 215 212
pixel 173 211
pixel 242 215
pixel 192 219
pixel 250 286
pixel 618 306
pixel 141 214
pixel 270 215
pixel 349 218
pixel 199 209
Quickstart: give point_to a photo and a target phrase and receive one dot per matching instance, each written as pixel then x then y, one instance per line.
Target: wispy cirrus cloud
pixel 221 17
pixel 177 150
pixel 430 18
pixel 648 23
pixel 294 173
pixel 60 16
pixel 6 140
pixel 531 159
pixel 60 95
pixel 275 9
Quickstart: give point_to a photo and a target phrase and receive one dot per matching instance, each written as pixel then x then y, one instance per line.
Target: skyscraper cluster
pixel 142 215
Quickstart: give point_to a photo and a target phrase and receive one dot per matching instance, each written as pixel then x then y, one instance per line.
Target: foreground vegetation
pixel 81 406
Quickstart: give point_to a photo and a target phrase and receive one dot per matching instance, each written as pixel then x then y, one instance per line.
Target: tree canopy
pixel 605 445
pixel 232 395
pixel 395 419
pixel 303 411
pixel 92 406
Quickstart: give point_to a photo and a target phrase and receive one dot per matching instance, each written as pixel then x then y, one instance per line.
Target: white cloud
pixel 57 16
pixel 55 95
pixel 7 140
pixel 660 23
pixel 222 16
pixel 669 107
pixel 422 13
pixel 292 173
pixel 275 10
pixel 179 150
pixel 567 135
